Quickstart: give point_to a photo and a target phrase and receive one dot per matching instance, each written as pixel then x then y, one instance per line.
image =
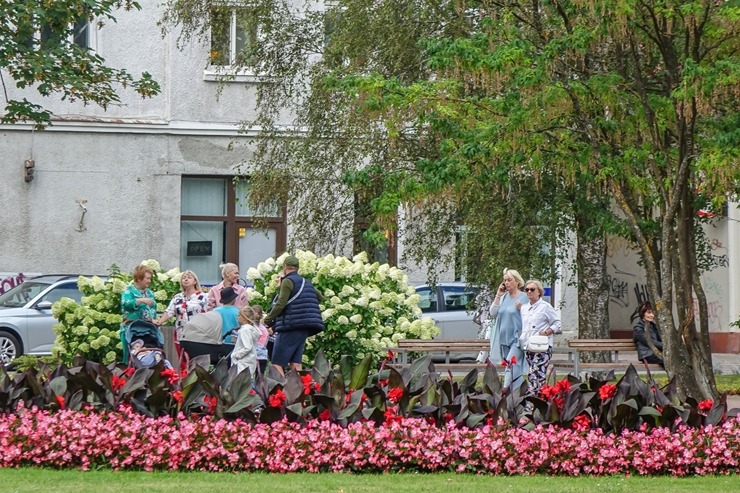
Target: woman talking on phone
pixel 506 309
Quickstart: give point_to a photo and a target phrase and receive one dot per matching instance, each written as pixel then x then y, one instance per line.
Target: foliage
pixel 356 394
pixel 366 306
pixel 38 50
pixel 91 329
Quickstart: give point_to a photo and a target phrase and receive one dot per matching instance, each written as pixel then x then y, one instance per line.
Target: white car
pixel 25 315
pixel 451 305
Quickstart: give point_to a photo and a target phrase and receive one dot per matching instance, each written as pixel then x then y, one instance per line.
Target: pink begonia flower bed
pixel 127 440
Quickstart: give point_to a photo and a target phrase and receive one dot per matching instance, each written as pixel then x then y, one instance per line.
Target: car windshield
pixel 22 294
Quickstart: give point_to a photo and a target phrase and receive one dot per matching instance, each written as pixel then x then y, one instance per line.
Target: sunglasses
pixel 529 290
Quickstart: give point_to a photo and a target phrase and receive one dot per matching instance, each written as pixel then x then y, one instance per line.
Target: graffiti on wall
pixel 9 281
pixel 628 286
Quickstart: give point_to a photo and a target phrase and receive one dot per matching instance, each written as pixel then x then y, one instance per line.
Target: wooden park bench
pixel 617 348
pixel 447 353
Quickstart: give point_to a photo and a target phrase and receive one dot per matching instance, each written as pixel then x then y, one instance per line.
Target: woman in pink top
pixel 230 275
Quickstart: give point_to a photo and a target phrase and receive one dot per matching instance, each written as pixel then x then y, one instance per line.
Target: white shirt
pixel 244 354
pixel 538 317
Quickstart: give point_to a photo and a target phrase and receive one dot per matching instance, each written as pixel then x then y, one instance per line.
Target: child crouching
pixel 244 354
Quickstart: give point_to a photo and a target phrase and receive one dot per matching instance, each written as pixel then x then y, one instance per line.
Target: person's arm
pixel 214 295
pixel 657 342
pixel 128 300
pixel 554 321
pixel 168 313
pixel 286 287
pixel 638 334
pixel 497 300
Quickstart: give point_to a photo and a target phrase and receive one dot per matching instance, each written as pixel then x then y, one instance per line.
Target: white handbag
pixel 538 344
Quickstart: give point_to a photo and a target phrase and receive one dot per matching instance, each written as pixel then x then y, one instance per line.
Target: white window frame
pixel 229 73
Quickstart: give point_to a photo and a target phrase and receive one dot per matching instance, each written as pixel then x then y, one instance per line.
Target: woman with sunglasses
pixel 539 318
pixel 505 309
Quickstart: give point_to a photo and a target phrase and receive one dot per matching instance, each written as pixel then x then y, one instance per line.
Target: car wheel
pixel 9 348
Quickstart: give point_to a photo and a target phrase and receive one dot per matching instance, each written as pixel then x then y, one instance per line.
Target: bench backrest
pixel 603 344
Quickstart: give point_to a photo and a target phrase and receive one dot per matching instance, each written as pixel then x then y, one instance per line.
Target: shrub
pixel 366 307
pixel 91 329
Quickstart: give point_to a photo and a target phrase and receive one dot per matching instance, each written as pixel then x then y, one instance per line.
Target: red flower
pixel 563 386
pixel 171 375
pixel 317 386
pixel 607 391
pixel 383 383
pixel 252 392
pixel 390 355
pixel 129 371
pixel 548 391
pixel 325 415
pixel 177 395
pixel 117 382
pixel 395 394
pixel 582 422
pixel 706 405
pixel 277 399
pixel 212 403
pixel 306 380
pixel 60 401
pixel 504 363
pixel 448 417
pixel 391 416
pixel 513 360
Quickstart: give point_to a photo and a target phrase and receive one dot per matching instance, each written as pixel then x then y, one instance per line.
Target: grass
pixel 41 480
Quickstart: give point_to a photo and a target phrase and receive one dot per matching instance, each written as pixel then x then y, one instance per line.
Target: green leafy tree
pixel 451 108
pixel 38 50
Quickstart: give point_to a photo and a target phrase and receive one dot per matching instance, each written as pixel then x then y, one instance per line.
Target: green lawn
pixel 42 480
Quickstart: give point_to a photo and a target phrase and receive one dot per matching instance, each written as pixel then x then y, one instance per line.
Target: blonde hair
pixel 257 311
pixel 247 315
pixel 517 277
pixel 227 267
pixel 195 277
pixel 538 285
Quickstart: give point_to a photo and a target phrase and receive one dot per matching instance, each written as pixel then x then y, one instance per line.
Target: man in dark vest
pixel 295 316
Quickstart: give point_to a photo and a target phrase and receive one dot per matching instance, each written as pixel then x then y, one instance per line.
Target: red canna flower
pixel 504 363
pixel 548 391
pixel 117 382
pixel 60 401
pixel 129 371
pixel 563 386
pixel 325 415
pixel 171 375
pixel 513 360
pixel 277 399
pixel 317 386
pixel 306 380
pixel 706 405
pixel 607 391
pixel 391 416
pixel 390 355
pixel 383 383
pixel 395 394
pixel 582 422
pixel 212 403
pixel 177 395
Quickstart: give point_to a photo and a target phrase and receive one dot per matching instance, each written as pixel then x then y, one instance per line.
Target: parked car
pixel 25 315
pixel 451 305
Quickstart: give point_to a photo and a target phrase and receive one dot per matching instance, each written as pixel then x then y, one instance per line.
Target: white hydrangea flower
pixel 329 293
pixel 152 264
pixel 162 277
pixel 356 318
pixel 173 272
pixel 343 320
pixel 263 268
pixel 352 335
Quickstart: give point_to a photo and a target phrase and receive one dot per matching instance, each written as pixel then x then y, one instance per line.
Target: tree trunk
pixel 593 292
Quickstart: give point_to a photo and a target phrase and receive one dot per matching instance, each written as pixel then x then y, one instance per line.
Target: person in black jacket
pixel 643 327
pixel 295 316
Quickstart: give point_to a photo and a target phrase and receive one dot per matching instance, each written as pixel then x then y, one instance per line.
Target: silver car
pixel 451 305
pixel 25 315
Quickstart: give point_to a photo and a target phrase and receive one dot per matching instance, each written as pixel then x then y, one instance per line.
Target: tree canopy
pixel 41 48
pixel 508 118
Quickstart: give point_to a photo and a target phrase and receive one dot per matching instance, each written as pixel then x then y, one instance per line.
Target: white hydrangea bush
pixel 91 328
pixel 367 307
